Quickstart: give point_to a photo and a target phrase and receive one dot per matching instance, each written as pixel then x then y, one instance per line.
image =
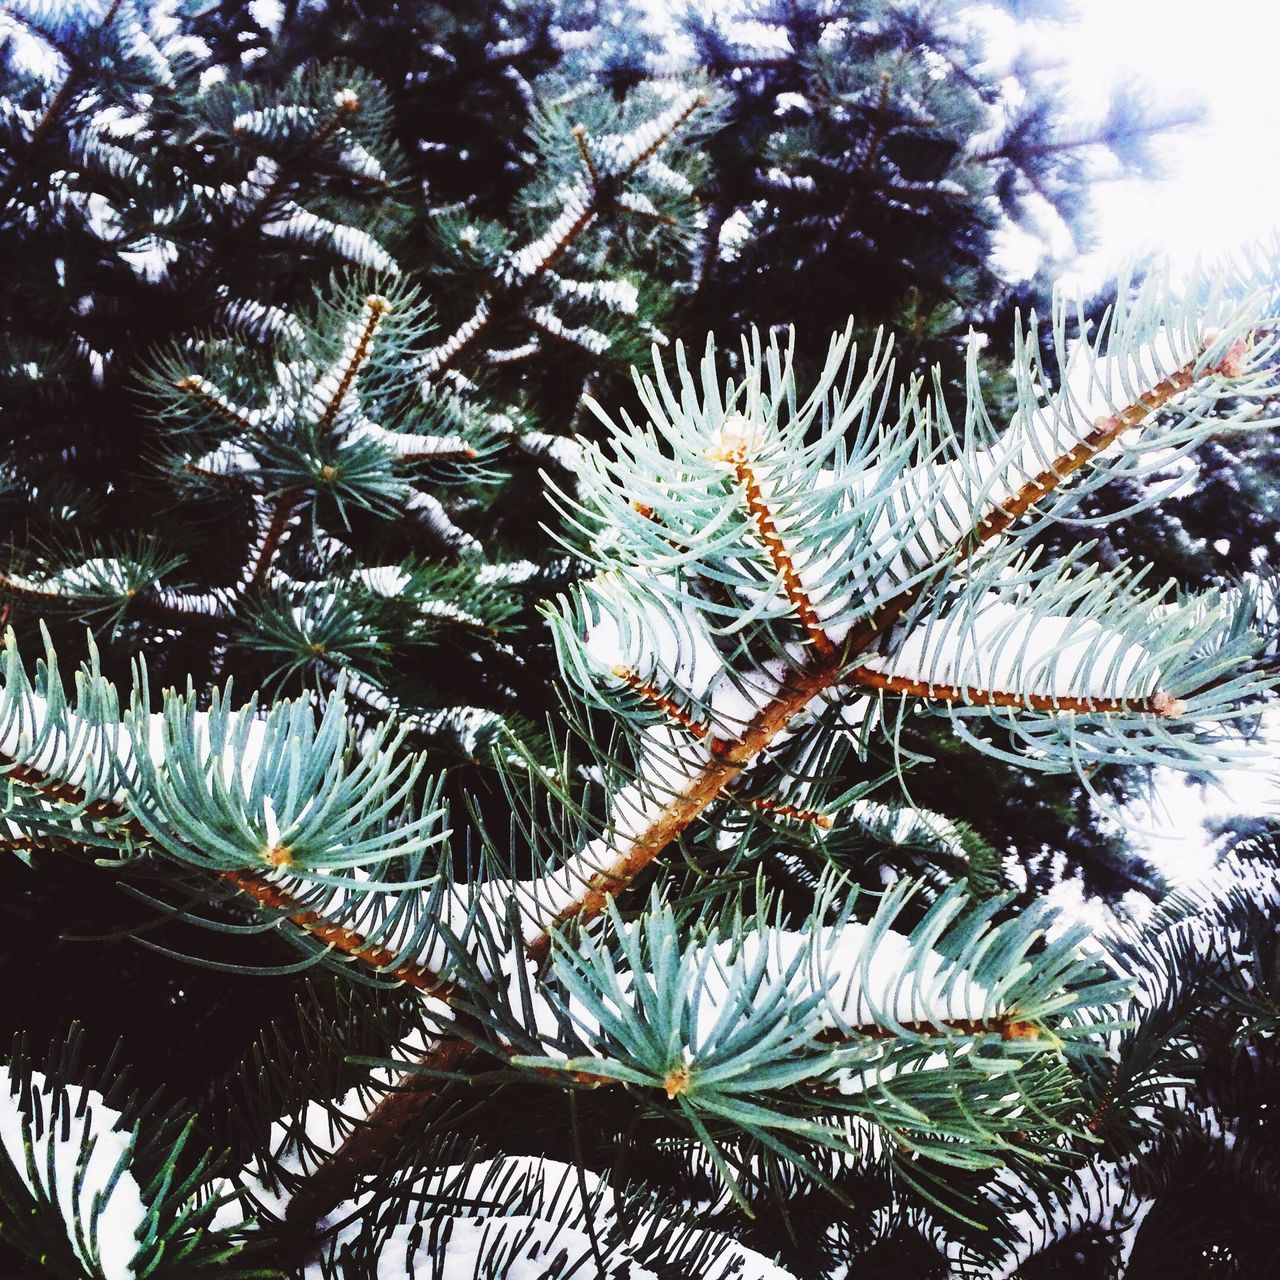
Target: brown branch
pixel 261 890
pixel 728 760
pixel 376 306
pixel 663 701
pixel 61 792
pixel 1099 1114
pixel 732 447
pixel 26 844
pixel 277 525
pixel 1006 1025
pixel 27 591
pixel 1105 431
pixel 350 943
pixel 584 150
pixel 1158 704
pixel 204 391
pixel 366 1146
pixel 781 809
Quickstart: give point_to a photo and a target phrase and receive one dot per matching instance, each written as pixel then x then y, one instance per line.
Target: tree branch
pixel 1158 704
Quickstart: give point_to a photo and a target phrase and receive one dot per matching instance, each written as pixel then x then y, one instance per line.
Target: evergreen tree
pixel 551 256
pixel 228 224
pixel 669 932
pixel 302 299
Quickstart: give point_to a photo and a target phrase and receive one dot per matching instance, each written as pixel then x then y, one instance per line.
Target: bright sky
pixel 1223 181
pixel 1222 189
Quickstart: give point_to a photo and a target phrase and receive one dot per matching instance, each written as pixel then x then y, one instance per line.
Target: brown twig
pixel 781 809
pixel 376 307
pixel 733 447
pixel 663 701
pixel 1158 704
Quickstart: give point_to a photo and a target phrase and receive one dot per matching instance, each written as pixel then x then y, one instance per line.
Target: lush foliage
pixel 632 855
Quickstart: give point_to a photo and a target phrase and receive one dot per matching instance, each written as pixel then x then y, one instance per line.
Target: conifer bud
pixel 735 440
pixel 1232 363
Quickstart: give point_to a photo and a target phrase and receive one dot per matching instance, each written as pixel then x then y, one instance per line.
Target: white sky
pixel 1223 178
pixel 1221 189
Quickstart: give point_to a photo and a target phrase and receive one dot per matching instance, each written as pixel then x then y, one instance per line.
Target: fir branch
pixel 582 207
pixel 376 307
pixel 202 390
pixel 1158 704
pixel 346 103
pixel 369 1143
pixel 348 941
pixel 51 116
pixel 1008 1026
pixel 1105 433
pixel 732 446
pixel 728 759
pixel 584 150
pixel 271 532
pixel 123 824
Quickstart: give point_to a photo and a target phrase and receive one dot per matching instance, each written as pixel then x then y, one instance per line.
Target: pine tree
pixel 230 227
pixel 669 936
pixel 489 120
pixel 281 408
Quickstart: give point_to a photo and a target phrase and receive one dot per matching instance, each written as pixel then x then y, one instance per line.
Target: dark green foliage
pixel 304 312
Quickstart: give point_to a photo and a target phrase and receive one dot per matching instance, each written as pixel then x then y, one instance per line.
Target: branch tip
pixel 677 1082
pixel 1166 706
pixel 733 445
pixel 1232 363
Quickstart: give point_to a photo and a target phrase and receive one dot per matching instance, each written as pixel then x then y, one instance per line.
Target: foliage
pixel 317 334
pixel 776 576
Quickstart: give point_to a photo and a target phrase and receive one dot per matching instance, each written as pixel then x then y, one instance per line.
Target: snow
pixel 564 451
pixel 268 14
pixel 507 574
pixel 228 459
pixel 429 511
pixel 105 1238
pixel 385 580
pixel 98 756
pixel 584 336
pixel 997 646
pixel 528 1221
pixel 408 445
pixel 617 295
pixel 1100 1198
pixel 524 1247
